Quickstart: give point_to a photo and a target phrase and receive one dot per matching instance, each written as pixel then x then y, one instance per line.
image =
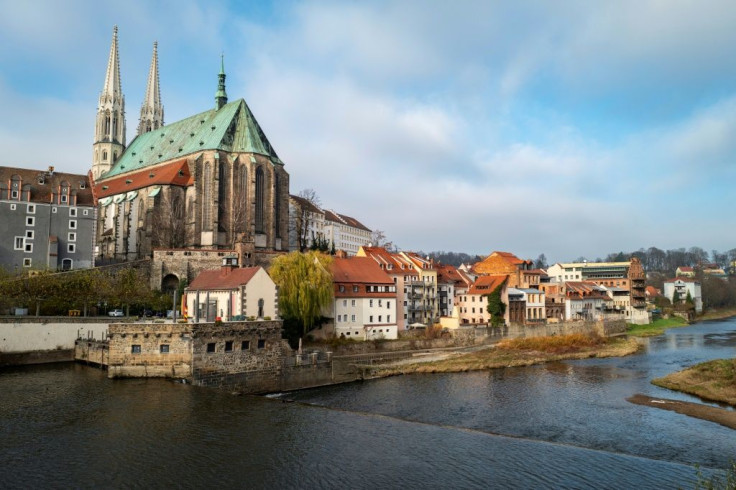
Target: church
pixel 211 181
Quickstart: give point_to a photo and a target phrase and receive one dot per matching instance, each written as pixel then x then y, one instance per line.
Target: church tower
pixel 220 94
pixel 109 140
pixel 152 112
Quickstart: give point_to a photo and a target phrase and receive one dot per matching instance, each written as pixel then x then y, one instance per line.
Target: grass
pixel 718 314
pixel 520 352
pixel 712 380
pixel 657 327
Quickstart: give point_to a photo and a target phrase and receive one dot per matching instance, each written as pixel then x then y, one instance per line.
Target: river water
pixel 560 425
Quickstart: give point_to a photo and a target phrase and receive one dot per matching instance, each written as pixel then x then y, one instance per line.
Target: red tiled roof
pixel 486 284
pixel 41 193
pixel 686 269
pixel 223 278
pixel 448 274
pixel 174 173
pixel 652 291
pixel 359 270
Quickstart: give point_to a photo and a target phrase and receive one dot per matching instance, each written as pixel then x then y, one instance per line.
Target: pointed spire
pixel 152 111
pixel 221 95
pixel 112 78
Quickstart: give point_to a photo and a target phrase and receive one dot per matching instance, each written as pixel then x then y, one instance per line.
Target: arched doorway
pixel 169 283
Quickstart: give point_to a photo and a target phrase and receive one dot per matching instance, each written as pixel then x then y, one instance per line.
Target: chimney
pixel 51 170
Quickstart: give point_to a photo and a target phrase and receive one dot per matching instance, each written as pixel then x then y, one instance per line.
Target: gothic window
pixel 104 155
pixel 260 201
pixel 241 199
pixel 277 205
pixel 115 126
pixel 107 124
pixel 206 197
pixel 222 194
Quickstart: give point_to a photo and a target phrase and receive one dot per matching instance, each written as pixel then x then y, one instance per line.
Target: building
pixel 684 271
pixel 473 305
pixel 682 286
pixel 585 300
pixel 402 272
pixel 521 273
pixel 534 304
pixel 365 306
pixel 345 233
pixel 306 223
pixel 210 181
pixel 449 282
pixel 47 220
pixel 423 305
pixel 232 293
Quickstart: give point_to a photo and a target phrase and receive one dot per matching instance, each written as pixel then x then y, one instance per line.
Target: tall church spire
pixel 221 95
pixel 109 141
pixel 152 112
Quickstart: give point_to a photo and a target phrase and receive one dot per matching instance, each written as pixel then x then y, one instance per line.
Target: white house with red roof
pixel 231 293
pixel 365 306
pixel 682 286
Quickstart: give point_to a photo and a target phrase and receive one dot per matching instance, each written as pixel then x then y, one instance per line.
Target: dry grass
pixel 713 380
pixel 521 352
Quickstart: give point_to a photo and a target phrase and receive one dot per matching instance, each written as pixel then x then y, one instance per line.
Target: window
pixel 380 318
pixel 370 302
pixel 85 212
pixel 352 303
pixel 370 318
pixel 135 349
pixel 67 264
pixel 245 345
pixel 28 248
pixel 388 319
pixel 228 346
pixel 388 304
pixel 19 242
pixel 29 234
pixel 73 224
pixel 344 302
pixel 26 262
pixel 72 236
pixel 12 207
pixel 71 248
pixel 380 301
pixel 63 198
pixel 73 212
pixel 260 201
pixel 342 288
pixel 164 348
pixel 261 343
pixel 53 210
pixel 355 289
pixel 14 194
pixel 30 221
pixel 31 209
pixel 352 318
pixel 211 347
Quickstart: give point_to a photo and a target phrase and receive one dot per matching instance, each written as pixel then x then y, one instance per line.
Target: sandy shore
pixel 712 414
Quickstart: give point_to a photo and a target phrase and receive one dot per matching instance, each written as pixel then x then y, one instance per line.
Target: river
pixel 559 425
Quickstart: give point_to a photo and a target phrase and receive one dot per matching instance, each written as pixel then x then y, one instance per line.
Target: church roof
pixel 232 128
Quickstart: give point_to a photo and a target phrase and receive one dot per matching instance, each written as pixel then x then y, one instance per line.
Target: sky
pixel 567 128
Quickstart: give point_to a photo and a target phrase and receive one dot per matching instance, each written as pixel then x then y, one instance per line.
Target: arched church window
pixel 260 200
pixel 115 126
pixel 277 205
pixel 107 125
pixel 104 155
pixel 206 197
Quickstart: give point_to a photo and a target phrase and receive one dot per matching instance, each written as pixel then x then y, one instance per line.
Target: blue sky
pixel 565 128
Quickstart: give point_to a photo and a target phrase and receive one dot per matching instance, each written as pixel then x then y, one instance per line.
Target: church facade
pixel 211 181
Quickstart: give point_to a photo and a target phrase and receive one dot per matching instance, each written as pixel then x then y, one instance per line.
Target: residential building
pixel 423 302
pixel 365 306
pixel 521 273
pixel 682 286
pixel 345 233
pixel 212 180
pixel 534 304
pixel 554 300
pixel 306 223
pixel 685 271
pixel 585 300
pixel 473 305
pixel 402 272
pixel 231 293
pixel 449 282
pixel 47 220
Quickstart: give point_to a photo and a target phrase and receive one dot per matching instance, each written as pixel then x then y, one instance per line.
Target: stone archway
pixel 169 283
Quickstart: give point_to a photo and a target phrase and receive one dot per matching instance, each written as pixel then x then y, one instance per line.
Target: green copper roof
pixel 232 128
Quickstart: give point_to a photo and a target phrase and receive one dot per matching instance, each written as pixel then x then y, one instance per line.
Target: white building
pixel 346 233
pixel 535 304
pixel 682 286
pixel 231 293
pixel 365 306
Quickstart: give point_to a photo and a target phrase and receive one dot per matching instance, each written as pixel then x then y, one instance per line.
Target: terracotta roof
pixel 685 269
pixel 652 291
pixel 584 290
pixel 305 203
pixel 52 181
pixel 486 284
pixel 391 262
pixel 173 173
pixel 448 274
pixel 358 270
pixel 222 278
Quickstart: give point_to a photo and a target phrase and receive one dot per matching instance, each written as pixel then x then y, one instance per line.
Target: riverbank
pixel 717 314
pixel 516 352
pixel 712 380
pixel 727 418
pixel 655 328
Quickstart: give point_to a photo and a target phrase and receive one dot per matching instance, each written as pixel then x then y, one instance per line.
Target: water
pixel 557 425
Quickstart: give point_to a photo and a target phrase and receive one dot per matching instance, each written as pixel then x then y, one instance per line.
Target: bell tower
pixel 109 140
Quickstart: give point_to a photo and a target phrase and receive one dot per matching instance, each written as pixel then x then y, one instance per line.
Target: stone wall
pixel 92 351
pixel 38 335
pixel 137 350
pixel 184 264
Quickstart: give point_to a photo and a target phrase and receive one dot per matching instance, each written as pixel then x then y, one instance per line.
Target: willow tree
pixel 305 286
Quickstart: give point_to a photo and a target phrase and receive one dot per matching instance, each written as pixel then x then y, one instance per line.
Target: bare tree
pixel 169 226
pixel 303 213
pixel 378 239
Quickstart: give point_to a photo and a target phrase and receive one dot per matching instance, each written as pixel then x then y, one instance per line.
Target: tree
pixel 676 297
pixel 305 286
pixel 378 239
pixel 496 307
pixel 541 262
pixel 129 286
pixel 305 209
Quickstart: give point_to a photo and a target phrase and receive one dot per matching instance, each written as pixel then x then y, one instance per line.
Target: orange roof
pixel 174 173
pixel 79 184
pixel 359 270
pixel 448 274
pixel 223 278
pixel 486 284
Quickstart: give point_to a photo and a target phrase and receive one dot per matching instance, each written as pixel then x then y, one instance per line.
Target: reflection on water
pixel 556 425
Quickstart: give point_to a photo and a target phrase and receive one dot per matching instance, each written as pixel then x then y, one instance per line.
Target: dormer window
pixel 82 185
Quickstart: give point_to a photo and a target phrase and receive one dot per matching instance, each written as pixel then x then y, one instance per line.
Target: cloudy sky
pixel 565 128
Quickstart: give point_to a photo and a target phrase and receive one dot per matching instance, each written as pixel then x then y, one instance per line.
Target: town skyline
pixel 575 132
